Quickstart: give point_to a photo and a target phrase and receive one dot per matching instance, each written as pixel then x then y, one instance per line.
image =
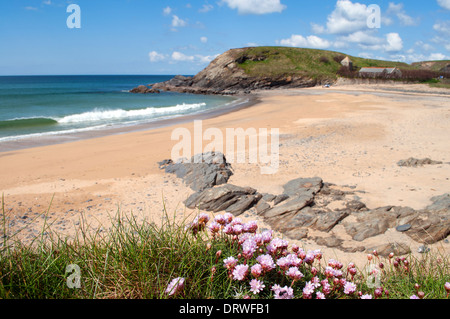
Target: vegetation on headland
pixel 324 65
pixel 210 258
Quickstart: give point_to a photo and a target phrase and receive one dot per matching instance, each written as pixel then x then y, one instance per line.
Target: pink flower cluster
pixel 262 255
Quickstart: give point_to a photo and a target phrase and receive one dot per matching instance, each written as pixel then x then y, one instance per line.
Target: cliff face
pixel 224 76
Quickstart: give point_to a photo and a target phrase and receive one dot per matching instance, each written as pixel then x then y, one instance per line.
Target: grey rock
pixel 292 206
pixel 262 206
pixel 230 198
pixel 297 234
pixel 441 202
pixel 303 186
pixel 331 242
pixel 202 171
pixel 403 228
pixel 280 198
pixel 414 162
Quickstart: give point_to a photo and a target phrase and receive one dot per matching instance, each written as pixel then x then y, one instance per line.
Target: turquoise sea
pixel 37 107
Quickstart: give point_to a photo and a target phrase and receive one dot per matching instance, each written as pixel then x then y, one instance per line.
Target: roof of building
pixel 347 59
pixel 377 70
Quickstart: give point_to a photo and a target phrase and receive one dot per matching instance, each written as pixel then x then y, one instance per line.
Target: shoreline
pixel 62 138
pixel 345 138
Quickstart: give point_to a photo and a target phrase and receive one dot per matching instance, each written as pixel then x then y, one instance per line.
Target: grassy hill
pixel 317 64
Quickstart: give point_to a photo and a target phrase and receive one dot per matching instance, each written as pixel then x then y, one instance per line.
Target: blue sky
pixel 183 36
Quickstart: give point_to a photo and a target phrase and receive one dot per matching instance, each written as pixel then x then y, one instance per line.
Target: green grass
pixel 138 260
pixel 320 65
pixel 284 61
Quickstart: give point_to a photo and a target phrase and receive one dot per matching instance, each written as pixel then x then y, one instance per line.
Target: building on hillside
pixel 380 72
pixel 347 63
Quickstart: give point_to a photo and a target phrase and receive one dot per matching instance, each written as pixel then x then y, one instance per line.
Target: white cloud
pixel 47 2
pixel 199 59
pixel 367 40
pixel 204 39
pixel 255 6
pixel 156 57
pixel 206 8
pixel 177 22
pixel 29 8
pixel 178 56
pixel 167 11
pixel 204 59
pixel 311 41
pixel 443 27
pixel 346 18
pixel 405 19
pixel 394 42
pixel 444 4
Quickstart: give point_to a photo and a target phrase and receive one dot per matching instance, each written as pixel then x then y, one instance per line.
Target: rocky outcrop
pixel 312 204
pixel 143 89
pixel 202 171
pixel 230 198
pixel 224 76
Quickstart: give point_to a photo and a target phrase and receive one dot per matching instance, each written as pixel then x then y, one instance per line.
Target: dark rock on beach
pixel 202 171
pixel 414 162
pixel 305 205
pixel 229 198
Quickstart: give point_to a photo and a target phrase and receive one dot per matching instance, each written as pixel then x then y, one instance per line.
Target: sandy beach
pixel 348 135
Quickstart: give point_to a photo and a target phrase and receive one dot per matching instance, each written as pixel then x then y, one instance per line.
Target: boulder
pixel 229 198
pixel 414 162
pixel 202 171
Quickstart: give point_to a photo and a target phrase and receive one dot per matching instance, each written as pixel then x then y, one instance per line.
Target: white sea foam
pixel 99 115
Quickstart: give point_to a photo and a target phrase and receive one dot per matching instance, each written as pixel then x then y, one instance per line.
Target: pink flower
pixel 250 227
pixel 214 227
pixel 294 273
pixel 447 287
pixel 256 270
pixel 175 286
pixel 256 286
pixel 290 260
pixel 267 236
pixel 277 245
pixel 240 272
pixel 320 295
pixel 316 282
pixel 326 287
pixel 237 229
pixel 308 290
pixel 414 297
pixel 220 219
pixel 349 288
pixel 248 248
pixel 283 293
pixel 366 297
pixel 228 229
pixel 266 262
pixel 228 217
pixel 230 263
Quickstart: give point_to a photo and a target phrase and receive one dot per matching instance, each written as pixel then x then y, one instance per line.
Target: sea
pixel 39 110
